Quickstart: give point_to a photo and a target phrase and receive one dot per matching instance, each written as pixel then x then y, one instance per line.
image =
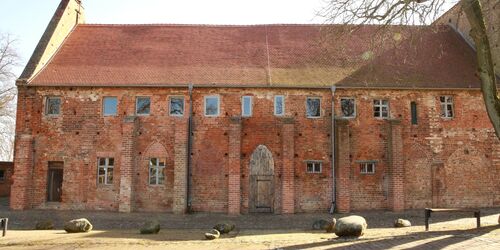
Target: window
pixel 413 106
pixel 446 106
pixel 156 171
pixel 348 107
pixel 246 106
pixel 176 106
pixel 279 105
pixel 367 167
pixel 2 175
pixel 105 171
pixel 212 105
pixel 53 106
pixel 142 106
pixel 109 104
pixel 381 108
pixel 313 167
pixel 313 107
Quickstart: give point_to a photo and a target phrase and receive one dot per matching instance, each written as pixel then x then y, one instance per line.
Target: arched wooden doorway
pixel 261 181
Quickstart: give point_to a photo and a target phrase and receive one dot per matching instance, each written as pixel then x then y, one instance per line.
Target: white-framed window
pixel 279 105
pixel 314 167
pixel 105 170
pixel 212 105
pixel 313 107
pixel 156 171
pixel 446 106
pixel 53 105
pixel 348 107
pixel 109 106
pixel 381 108
pixel 143 105
pixel 176 106
pixel 367 167
pixel 246 106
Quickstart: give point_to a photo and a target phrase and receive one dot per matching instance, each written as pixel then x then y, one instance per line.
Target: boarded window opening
pixel 414 118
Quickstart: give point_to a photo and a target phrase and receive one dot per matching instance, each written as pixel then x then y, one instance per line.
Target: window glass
pixel 211 105
pixel 313 107
pixel 177 106
pixel 143 105
pixel 105 170
pixel 313 167
pixel 348 107
pixel 367 168
pixel 110 105
pixel 446 106
pixel 381 108
pixel 279 105
pixel 53 106
pixel 414 117
pixel 246 106
pixel 156 171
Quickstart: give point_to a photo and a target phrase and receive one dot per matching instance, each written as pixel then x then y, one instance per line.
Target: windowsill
pixel 367 174
pixel 348 117
pixel 110 116
pixel 313 117
pixel 447 118
pixel 211 116
pixel 142 114
pixel 176 115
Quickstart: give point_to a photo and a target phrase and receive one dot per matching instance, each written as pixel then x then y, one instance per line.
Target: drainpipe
pixel 334 205
pixel 189 149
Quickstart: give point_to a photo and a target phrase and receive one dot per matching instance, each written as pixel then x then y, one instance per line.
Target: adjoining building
pixel 251 118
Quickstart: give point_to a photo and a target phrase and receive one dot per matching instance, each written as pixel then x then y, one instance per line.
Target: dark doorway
pixel 54 181
pixel 261 181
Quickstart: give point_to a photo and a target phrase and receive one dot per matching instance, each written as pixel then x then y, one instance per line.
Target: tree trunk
pixel 472 9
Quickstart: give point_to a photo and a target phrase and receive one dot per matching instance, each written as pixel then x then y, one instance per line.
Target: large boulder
pixel 212 234
pixel 402 223
pixel 224 228
pixel 44 225
pixel 78 226
pixel 150 227
pixel 350 226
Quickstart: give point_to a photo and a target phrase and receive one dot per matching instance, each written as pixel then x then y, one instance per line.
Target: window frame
pixel 205 105
pixel 363 167
pixel 158 170
pixel 104 104
pixel 106 167
pixel 314 167
pixel 136 106
pixel 355 108
pixel 445 103
pixel 381 105
pixel 170 105
pixel 248 97
pixel 313 98
pixel 47 98
pixel 282 105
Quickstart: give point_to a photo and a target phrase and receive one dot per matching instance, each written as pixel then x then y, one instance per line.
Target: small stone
pixel 212 234
pixel 350 226
pixel 44 225
pixel 78 226
pixel 402 223
pixel 150 227
pixel 224 228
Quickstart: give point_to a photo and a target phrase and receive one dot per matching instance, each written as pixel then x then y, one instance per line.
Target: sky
pixel 26 20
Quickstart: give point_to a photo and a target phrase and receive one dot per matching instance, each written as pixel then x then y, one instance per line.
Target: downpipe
pixel 333 207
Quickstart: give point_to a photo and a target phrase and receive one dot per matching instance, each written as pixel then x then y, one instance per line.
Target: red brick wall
pixel 443 162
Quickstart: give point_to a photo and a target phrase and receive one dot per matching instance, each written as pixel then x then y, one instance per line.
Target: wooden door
pixel 261 181
pixel 54 182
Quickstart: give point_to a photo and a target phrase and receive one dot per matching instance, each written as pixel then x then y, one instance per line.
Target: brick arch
pixel 261 196
pixel 467 178
pixel 156 149
pixel 418 176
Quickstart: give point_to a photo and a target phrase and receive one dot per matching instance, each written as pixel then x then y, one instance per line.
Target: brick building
pixel 259 118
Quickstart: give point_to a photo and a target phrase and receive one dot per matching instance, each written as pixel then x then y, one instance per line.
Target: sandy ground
pixel 455 233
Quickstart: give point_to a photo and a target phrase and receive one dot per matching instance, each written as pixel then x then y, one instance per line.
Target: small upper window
pixel 143 106
pixel 313 167
pixel 105 170
pixel 367 167
pixel 2 175
pixel 446 106
pixel 381 108
pixel 246 106
pixel 279 105
pixel 109 106
pixel 348 106
pixel 212 105
pixel 414 117
pixel 176 106
pixel 156 171
pixel 53 106
pixel 313 107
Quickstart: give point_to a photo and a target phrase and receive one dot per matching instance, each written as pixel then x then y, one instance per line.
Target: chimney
pixel 68 15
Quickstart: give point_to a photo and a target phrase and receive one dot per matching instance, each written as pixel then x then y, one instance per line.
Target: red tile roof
pixel 276 55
